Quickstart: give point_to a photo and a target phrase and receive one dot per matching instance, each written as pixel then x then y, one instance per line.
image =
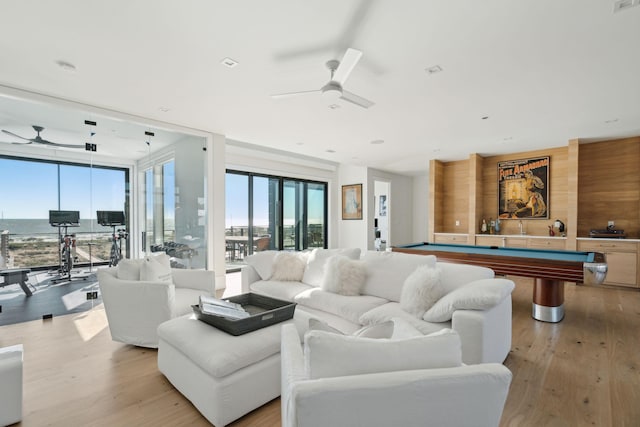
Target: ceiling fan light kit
pixel 333 90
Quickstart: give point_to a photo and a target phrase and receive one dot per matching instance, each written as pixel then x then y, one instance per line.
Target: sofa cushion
pixel 452 276
pixel 128 269
pixel 343 275
pixel 277 289
pixel 381 330
pixel 348 307
pixel 262 262
pixel 317 259
pixel 421 290
pixel 288 266
pixel 332 355
pixel 478 295
pixel 403 329
pixel 391 310
pixel 152 269
pixel 387 271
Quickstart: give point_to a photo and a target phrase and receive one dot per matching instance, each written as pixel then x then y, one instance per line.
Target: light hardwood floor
pixel 582 371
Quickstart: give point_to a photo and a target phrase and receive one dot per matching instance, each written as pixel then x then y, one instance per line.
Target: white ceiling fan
pixel 39 140
pixel 340 71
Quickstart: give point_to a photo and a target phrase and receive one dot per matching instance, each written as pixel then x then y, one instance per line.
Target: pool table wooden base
pixel 548 300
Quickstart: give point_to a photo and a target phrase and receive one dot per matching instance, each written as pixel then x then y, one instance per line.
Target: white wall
pixel 353 233
pixel 420 208
pixel 399 206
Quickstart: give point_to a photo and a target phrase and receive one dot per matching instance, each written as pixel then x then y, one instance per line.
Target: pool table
pixel 549 268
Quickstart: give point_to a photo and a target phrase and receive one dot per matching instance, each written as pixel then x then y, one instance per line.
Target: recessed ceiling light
pixel 331 151
pixel 611 121
pixel 334 106
pixel 164 109
pixel 67 66
pixel 299 143
pixel 229 63
pixel 433 70
pixel 436 150
pixel 377 141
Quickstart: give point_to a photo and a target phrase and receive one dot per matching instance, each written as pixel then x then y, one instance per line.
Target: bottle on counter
pixel 492 226
pixel 483 227
pixel 497 227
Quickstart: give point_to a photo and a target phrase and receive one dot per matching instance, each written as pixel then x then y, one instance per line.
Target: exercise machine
pixel 67 243
pixel 114 219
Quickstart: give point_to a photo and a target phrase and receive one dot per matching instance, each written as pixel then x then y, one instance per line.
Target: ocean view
pixel 19 228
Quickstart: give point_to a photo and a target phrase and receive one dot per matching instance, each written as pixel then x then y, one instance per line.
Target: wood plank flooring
pixel 579 372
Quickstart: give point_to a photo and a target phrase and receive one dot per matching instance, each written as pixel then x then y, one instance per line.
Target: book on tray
pixel 219 307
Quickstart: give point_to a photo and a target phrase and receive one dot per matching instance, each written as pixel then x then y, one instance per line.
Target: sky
pixel 237 204
pixel 30 189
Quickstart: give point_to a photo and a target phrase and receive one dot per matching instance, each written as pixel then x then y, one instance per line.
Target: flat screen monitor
pixel 64 217
pixel 109 218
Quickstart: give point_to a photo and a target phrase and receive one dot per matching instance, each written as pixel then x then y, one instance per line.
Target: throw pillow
pixel 421 290
pixel 128 269
pixel 288 267
pixel 331 355
pixel 317 260
pixel 153 270
pixel 262 262
pixel 344 276
pixel 478 295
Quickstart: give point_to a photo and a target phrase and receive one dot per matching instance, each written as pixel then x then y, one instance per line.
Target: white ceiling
pixel 543 71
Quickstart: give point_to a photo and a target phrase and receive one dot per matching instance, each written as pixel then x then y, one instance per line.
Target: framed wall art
pixel 523 188
pixel 352 201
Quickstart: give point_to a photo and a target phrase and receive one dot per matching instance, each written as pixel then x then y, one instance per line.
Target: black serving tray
pixel 265 311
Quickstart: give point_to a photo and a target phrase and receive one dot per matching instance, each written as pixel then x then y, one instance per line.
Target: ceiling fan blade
pixel 17 136
pixel 349 61
pixel 55 144
pixel 290 94
pixel 355 99
pixel 16 143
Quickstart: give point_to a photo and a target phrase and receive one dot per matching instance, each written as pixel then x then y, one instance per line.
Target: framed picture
pixel 383 205
pixel 523 188
pixel 352 201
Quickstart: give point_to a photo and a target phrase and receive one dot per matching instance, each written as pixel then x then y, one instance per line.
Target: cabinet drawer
pixel 623 268
pixel 490 241
pixel 590 245
pixel 546 243
pixel 516 242
pixel 448 238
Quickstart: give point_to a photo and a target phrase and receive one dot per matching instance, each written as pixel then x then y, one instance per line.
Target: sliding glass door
pixel 270 212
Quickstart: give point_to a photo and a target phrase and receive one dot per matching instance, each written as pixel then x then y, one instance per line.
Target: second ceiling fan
pixel 39 140
pixel 340 71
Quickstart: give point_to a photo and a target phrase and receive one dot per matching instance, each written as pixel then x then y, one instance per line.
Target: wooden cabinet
pixel 503 241
pixel 551 243
pixel 459 239
pixel 622 260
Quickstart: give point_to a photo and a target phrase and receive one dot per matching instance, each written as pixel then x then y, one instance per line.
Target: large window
pixel 31 188
pixel 270 212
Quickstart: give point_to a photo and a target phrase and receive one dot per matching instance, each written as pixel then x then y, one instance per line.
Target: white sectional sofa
pixel 474 303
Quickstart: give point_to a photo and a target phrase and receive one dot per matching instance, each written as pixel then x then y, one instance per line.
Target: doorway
pixel 382 197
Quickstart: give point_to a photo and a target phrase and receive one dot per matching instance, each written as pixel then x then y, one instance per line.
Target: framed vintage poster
pixel 352 201
pixel 523 188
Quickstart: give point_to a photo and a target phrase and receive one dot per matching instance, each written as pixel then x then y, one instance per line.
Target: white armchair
pixel 136 308
pixel 11 384
pixel 460 396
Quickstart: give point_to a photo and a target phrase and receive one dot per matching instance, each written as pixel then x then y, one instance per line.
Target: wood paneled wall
pixel 455 200
pixel 557 192
pixel 609 186
pixel 589 184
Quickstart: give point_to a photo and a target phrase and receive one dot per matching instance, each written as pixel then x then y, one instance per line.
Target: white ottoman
pixel 10 384
pixel 224 376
